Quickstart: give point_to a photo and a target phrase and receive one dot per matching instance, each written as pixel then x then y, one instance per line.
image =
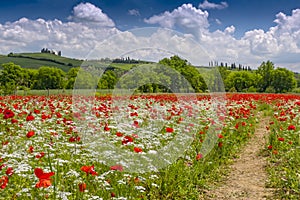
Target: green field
pixel 36 60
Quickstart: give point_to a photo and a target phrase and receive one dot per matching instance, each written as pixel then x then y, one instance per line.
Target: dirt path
pixel 247 177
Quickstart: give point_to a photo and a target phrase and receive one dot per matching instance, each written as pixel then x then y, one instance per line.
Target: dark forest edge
pixel 266 78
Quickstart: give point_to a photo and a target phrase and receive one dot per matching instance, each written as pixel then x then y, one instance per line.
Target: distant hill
pixel 36 60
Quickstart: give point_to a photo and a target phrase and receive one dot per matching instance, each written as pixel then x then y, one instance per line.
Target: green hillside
pixel 36 60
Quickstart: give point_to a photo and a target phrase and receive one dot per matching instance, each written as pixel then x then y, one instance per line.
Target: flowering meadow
pixel 51 150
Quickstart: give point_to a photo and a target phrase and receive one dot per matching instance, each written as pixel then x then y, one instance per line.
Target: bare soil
pixel 247 177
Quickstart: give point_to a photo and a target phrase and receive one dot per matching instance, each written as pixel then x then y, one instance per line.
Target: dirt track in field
pixel 247 177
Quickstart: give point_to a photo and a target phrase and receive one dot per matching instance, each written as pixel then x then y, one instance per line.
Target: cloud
pixel 230 30
pixel 74 38
pixel 146 44
pixel 209 5
pixel 85 33
pixel 280 39
pixel 87 12
pixel 134 12
pixel 256 46
pixel 218 22
pixel 185 16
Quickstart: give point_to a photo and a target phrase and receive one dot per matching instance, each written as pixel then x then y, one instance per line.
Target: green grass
pixel 123 66
pixel 36 60
pixel 284 154
pixel 74 62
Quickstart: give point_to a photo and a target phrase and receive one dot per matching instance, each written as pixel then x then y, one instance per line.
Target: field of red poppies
pixel 162 146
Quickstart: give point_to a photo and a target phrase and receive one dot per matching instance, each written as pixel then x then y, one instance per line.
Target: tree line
pixel 182 77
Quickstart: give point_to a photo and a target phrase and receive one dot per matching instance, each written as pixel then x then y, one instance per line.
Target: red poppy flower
pixel 82 187
pixel 137 150
pixel 119 134
pixel 270 147
pixel 106 128
pixel 44 178
pixel 220 144
pixel 3 182
pixel 199 156
pixel 58 115
pixel 30 118
pixel 169 130
pixel 237 126
pixel 134 114
pixel 2 166
pixel 30 134
pixel 127 139
pixel 9 171
pixel 30 149
pixel 5 142
pixel 8 114
pixel 291 127
pixel 40 155
pixel 281 139
pixel 117 167
pixel 74 139
pixel 112 194
pixel 89 170
pixel 14 121
pixel 136 124
pixel 220 136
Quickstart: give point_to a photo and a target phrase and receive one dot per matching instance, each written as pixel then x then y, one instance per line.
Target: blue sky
pixel 243 14
pixel 246 31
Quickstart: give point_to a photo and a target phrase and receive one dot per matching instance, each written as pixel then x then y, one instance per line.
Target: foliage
pixel 12 76
pixel 265 70
pixel 49 78
pixel 283 149
pixel 190 73
pixel 172 74
pixel 241 80
pixel 108 80
pixel 283 80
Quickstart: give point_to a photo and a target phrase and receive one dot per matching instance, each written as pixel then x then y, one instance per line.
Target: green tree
pixel 190 73
pixel 71 77
pixel 283 80
pixel 12 76
pixel 224 72
pixel 108 80
pixel 49 78
pixel 265 70
pixel 241 81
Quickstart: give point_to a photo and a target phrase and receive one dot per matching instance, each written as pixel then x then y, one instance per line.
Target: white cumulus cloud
pixel 208 5
pixel 88 28
pixel 74 38
pixel 87 12
pixel 186 16
pixel 230 30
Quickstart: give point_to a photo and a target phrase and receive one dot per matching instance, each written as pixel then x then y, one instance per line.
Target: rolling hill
pixel 36 60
